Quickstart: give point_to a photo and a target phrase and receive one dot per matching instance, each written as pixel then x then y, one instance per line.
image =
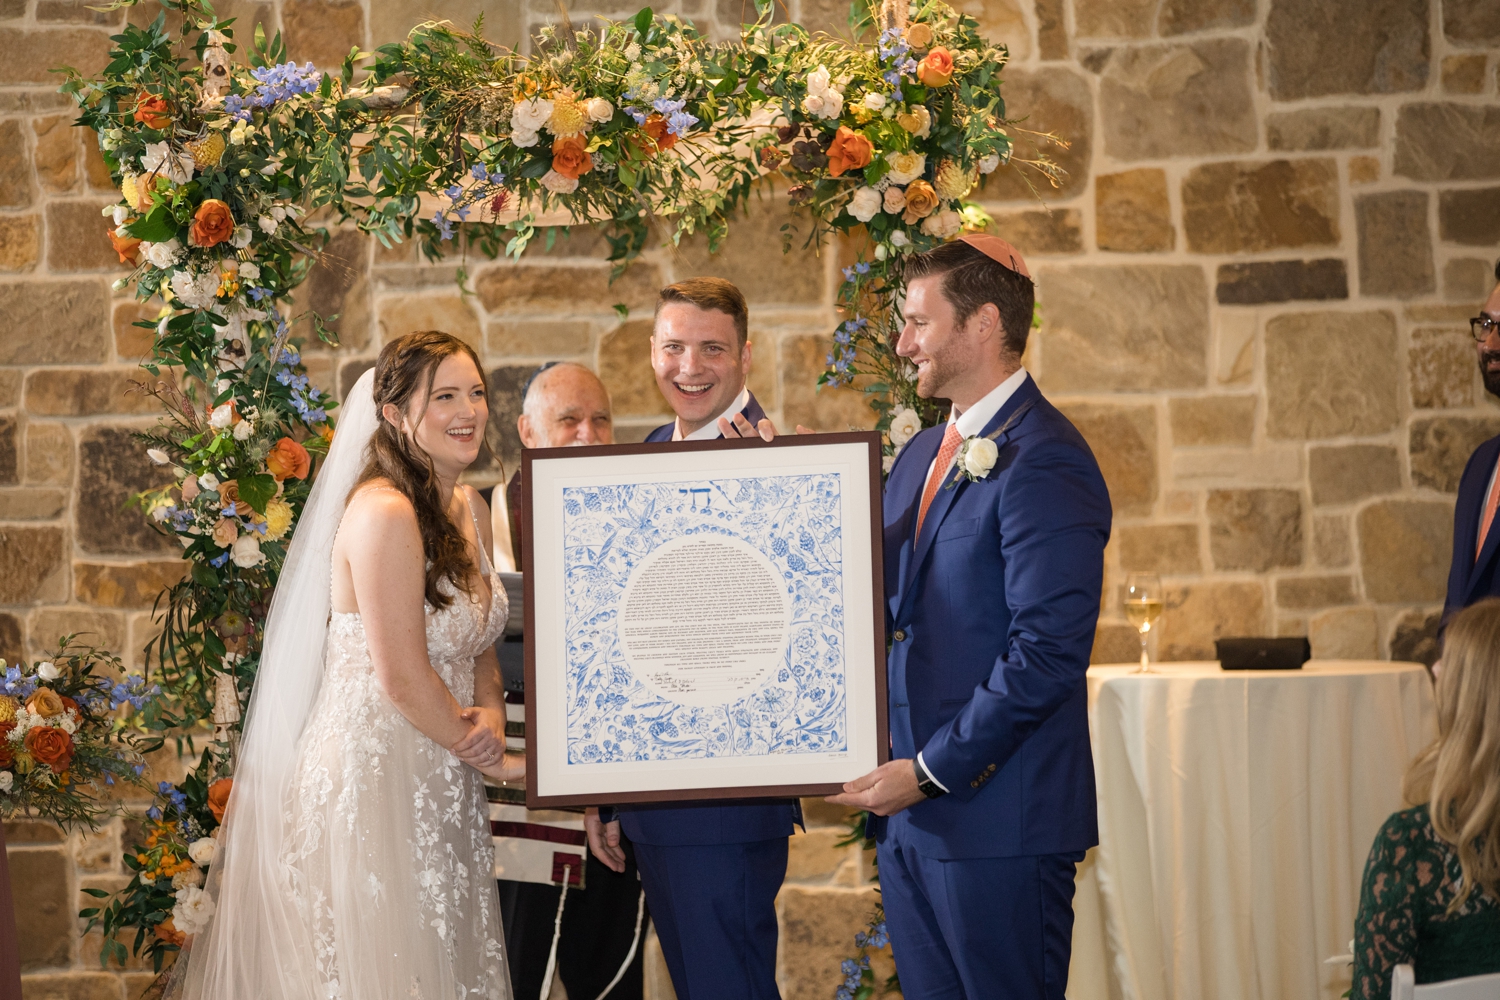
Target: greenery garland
pixel 639 127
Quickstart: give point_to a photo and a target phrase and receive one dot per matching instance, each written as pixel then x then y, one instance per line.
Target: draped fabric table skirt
pixel 1236 810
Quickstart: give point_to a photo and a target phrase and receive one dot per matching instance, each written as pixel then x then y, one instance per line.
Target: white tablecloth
pixel 1236 810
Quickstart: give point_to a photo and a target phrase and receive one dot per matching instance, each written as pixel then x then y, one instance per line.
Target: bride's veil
pixel 254 942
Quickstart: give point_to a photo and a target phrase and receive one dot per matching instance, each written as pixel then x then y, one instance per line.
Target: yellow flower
pixel 229 284
pixel 7 708
pixel 568 116
pixel 278 518
pixel 207 151
pixel 131 190
pixel 952 182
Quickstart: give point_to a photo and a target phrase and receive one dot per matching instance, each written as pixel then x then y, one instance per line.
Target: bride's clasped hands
pixel 484 747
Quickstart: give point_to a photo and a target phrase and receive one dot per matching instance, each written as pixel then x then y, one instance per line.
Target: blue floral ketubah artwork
pixel 750 570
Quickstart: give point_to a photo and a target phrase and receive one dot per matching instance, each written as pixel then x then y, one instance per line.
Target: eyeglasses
pixel 1482 326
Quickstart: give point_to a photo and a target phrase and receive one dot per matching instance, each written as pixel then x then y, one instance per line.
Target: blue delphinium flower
pixel 220 559
pixel 444 227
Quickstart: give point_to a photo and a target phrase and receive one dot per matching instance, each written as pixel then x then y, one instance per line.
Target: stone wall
pixel 1254 284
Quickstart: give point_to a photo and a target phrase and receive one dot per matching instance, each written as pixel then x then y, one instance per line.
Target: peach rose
pixel 570 156
pixel 151 111
pixel 921 200
pixel 229 492
pixel 936 67
pixel 655 128
pixel 126 246
pixel 850 151
pixel 45 703
pixel 225 532
pixel 190 489
pixel 53 747
pixel 288 459
pixel 212 224
pixel 218 797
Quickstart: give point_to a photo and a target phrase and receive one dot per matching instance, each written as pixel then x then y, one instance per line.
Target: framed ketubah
pixel 704 619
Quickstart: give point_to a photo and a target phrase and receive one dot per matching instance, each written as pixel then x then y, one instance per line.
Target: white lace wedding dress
pixel 390 861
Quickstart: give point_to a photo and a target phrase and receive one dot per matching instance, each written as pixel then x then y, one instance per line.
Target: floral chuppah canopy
pixel 224 160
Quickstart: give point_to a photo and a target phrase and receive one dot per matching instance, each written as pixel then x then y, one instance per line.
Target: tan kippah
pixel 997 250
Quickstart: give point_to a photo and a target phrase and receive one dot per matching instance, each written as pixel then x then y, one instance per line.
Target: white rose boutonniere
pixel 976 457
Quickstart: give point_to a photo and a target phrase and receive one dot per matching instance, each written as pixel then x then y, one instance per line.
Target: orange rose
pixel 152 111
pixel 53 747
pixel 45 703
pixel 850 151
pixel 288 459
pixel 655 128
pixel 167 931
pixel 921 199
pixel 126 246
pixel 936 68
pixel 212 224
pixel 229 492
pixel 570 157
pixel 7 752
pixel 218 797
pixel 69 705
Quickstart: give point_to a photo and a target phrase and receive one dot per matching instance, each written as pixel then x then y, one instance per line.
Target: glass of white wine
pixel 1143 606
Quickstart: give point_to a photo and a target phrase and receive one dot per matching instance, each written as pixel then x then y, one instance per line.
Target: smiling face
pixel 699 361
pixel 954 360
pixel 567 406
pixel 448 421
pixel 1489 347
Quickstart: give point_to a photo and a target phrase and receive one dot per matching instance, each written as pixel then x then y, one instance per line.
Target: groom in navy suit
pixel 711 870
pixel 1476 538
pixel 995 526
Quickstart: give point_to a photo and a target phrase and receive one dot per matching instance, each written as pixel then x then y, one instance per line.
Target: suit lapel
pixel 1471 523
pixel 1000 427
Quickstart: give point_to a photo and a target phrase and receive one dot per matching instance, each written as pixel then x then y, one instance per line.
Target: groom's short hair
pixel 970 279
pixel 714 294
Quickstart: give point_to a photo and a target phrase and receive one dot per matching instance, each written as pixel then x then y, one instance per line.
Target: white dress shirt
pixel 710 430
pixel 969 423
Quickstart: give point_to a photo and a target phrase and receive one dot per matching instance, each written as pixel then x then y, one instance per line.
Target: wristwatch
pixel 925 784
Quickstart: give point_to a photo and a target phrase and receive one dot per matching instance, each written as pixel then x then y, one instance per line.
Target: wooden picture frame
pixel 635 696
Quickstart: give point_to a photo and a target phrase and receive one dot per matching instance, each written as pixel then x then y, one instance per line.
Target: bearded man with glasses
pixel 1476 529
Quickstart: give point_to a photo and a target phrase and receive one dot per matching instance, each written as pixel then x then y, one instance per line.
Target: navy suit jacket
pixel 992 614
pixel 726 821
pixel 1470 578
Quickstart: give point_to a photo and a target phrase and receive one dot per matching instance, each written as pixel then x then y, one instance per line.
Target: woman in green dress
pixel 1431 891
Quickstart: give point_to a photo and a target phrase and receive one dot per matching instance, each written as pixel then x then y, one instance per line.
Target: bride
pixel 355 859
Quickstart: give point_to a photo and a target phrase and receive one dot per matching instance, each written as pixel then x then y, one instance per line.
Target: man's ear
pixel 987 323
pixel 745 356
pixel 523 427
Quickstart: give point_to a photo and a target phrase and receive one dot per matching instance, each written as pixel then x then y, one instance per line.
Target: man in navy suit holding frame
pixel 711 869
pixel 1476 540
pixel 995 527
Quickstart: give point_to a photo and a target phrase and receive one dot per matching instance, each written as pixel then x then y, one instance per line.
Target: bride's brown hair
pixel 403 374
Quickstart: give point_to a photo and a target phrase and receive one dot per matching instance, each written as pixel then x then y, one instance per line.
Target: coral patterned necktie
pixel 1489 513
pixel 951 440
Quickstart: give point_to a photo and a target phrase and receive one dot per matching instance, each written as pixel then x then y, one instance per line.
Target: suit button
pixel 973 784
pixel 991 769
pixel 900 636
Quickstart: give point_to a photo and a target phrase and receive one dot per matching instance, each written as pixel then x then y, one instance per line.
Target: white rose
pixel 68 724
pixel 818 80
pixel 874 101
pixel 246 552
pixel 599 110
pixel 904 426
pixel 979 457
pixel 942 224
pixel 813 104
pixel 163 255
pixel 249 271
pixel 176 167
pixel 530 116
pixel 905 167
pixel 524 138
pixel 157 456
pixel 48 671
pixel 120 214
pixel 267 224
pixel 864 204
pixel 924 120
pixel 895 199
pixel 208 481
pixel 833 104
pixel 987 164
pixel 203 850
pixel 558 184
pixel 243 430
pixel 194 909
pixel 222 416
pixel 900 239
pixel 7 781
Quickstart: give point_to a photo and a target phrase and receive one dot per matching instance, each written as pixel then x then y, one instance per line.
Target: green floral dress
pixel 1409 881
